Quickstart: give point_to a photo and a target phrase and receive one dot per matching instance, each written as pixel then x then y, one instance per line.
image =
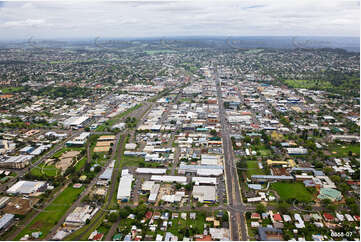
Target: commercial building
pixel 289 163
pixel 170 179
pixel 155 171
pixel 27 187
pixel 6 220
pixel 296 151
pixel 330 193
pixel 76 122
pixel 204 194
pixel 80 215
pixel 154 193
pixel 266 178
pixel 204 180
pixel 78 141
pixel 125 188
pixel 16 162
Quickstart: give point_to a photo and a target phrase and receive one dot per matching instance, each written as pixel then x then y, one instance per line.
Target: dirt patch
pixel 66 160
pixel 21 206
pixel 37 225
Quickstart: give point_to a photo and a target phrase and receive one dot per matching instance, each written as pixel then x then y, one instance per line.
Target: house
pixel 255 216
pixel 255 224
pixel 117 237
pixel 349 218
pixel 340 217
pixel 156 215
pixel 328 217
pixel 148 215
pixel 270 234
pixel 287 218
pixel 277 217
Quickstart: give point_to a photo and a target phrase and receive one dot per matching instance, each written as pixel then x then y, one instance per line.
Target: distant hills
pixel 351 44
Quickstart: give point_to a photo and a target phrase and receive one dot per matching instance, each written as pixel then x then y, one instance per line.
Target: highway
pixel 238 225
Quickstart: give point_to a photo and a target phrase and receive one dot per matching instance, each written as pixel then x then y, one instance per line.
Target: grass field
pixel 179 225
pixel 48 170
pixel 261 149
pixel 116 119
pixel 292 190
pixel 343 150
pixel 131 160
pixel 80 164
pixel 253 168
pixel 309 84
pixel 51 215
pixel 8 90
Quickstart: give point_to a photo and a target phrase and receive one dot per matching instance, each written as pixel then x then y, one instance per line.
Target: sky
pixel 109 19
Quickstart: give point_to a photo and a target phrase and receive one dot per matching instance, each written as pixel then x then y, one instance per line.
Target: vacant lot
pixel 18 205
pixel 51 214
pixel 292 191
pixel 131 160
pixel 253 168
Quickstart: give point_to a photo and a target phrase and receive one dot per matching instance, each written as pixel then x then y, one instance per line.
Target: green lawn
pixel 131 160
pixel 292 190
pixel 343 150
pixel 308 84
pixel 8 90
pixel 45 220
pixel 80 164
pixel 261 149
pixel 253 168
pixel 48 170
pixel 179 225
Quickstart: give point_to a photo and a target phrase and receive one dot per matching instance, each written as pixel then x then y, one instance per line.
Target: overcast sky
pixel 88 19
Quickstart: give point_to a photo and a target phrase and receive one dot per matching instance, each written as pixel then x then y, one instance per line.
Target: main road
pixel 238 225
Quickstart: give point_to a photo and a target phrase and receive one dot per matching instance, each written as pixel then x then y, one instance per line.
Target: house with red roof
pixel 277 217
pixel 205 238
pixel 328 217
pixel 255 216
pixel 98 237
pixel 148 215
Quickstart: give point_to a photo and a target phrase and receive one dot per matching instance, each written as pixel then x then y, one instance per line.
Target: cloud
pixel 84 19
pixel 26 23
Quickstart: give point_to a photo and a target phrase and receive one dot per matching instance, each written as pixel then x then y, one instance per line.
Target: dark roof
pixel 263 231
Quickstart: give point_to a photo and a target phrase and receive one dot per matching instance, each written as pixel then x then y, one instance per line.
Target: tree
pixel 113 217
pixel 213 132
pixel 260 208
pixel 124 212
pixel 283 207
